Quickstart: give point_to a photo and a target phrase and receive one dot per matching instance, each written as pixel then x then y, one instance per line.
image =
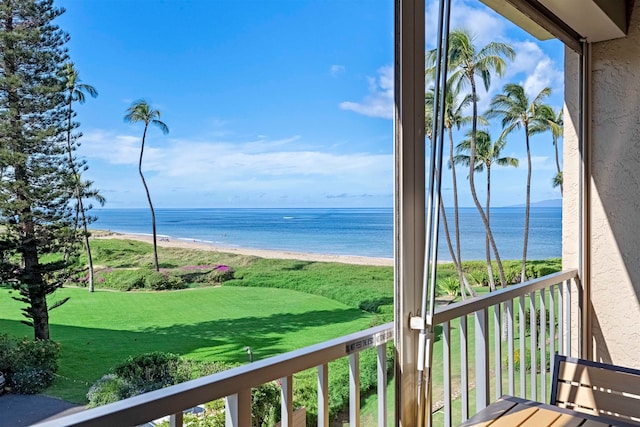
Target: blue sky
pixel 282 103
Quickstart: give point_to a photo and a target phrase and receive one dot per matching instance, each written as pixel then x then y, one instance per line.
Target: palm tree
pixel 552 121
pixel 76 93
pixel 557 181
pixel 467 62
pixel 518 111
pixel 140 111
pixel 453 117
pixel 487 154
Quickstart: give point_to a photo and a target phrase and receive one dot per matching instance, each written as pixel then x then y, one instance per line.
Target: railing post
pixel 354 390
pixel 323 395
pixel 567 310
pixel 561 320
pixel 510 350
pixel 552 326
pixel 446 354
pixel 543 343
pixel 175 420
pixel 482 358
pixel 238 409
pixel 523 348
pixel 533 351
pixel 286 401
pixel 382 385
pixel 464 369
pixel 497 349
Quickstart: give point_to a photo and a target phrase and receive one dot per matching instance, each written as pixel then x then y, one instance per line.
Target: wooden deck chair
pixel 596 388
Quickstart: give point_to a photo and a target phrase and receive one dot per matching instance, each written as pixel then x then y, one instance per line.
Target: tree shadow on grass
pixel 88 353
pixel 264 334
pixel 297 266
pixel 373 305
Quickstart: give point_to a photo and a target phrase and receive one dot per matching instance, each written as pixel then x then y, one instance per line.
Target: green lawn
pixel 97 331
pixel 272 305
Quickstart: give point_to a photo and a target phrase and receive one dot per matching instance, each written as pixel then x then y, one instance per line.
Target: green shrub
pixel 30 380
pixel 478 277
pixel 7 350
pixel 449 286
pixel 512 274
pixel 124 280
pixel 29 366
pixel 108 389
pixel 527 360
pixel 150 371
pixel 220 274
pixel 265 410
pixel 305 383
pixel 128 280
pixel 163 281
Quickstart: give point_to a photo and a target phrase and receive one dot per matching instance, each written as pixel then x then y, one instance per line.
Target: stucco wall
pixel 615 193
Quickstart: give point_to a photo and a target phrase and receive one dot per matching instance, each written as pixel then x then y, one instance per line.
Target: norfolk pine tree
pixel 36 224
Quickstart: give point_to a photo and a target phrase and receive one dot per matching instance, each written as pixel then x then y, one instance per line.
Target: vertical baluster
pixel 323 395
pixel 533 334
pixel 543 343
pixel 464 365
pixel 238 409
pixel 497 349
pixel 523 349
pixel 354 390
pixel 510 321
pixel 552 326
pixel 175 420
pixel 446 364
pixel 482 358
pixel 382 385
pixel 567 309
pixel 561 349
pixel 286 401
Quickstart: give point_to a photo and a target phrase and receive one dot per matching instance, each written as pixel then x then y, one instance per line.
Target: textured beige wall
pixel 615 193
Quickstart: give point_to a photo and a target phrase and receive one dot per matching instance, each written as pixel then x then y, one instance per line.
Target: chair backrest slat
pixel 596 388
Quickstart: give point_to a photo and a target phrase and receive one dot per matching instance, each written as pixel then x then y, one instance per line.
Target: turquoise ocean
pixel 358 231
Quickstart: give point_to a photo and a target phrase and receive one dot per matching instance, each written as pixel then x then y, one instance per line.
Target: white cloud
pixel 379 102
pixel 337 70
pixel 247 169
pixel 481 22
pixel 541 163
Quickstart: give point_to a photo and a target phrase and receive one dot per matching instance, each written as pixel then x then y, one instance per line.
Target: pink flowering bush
pixel 220 273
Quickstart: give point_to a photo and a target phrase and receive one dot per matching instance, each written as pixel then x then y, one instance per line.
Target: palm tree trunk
pixel 87 246
pixel 80 207
pixel 555 144
pixel 527 207
pixel 146 189
pixel 492 282
pixel 454 180
pixel 465 287
pixel 472 160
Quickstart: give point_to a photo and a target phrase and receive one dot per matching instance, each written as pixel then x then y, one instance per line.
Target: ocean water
pixel 358 231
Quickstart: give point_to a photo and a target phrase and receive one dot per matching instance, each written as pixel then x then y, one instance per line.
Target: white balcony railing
pixel 504 356
pixel 235 386
pixel 506 360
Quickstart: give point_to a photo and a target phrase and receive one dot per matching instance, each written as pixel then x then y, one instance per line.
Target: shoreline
pixel 170 242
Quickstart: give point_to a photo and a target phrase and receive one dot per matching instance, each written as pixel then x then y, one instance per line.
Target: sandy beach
pixel 263 253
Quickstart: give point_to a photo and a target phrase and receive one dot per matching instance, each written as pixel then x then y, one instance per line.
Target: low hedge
pixel 28 366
